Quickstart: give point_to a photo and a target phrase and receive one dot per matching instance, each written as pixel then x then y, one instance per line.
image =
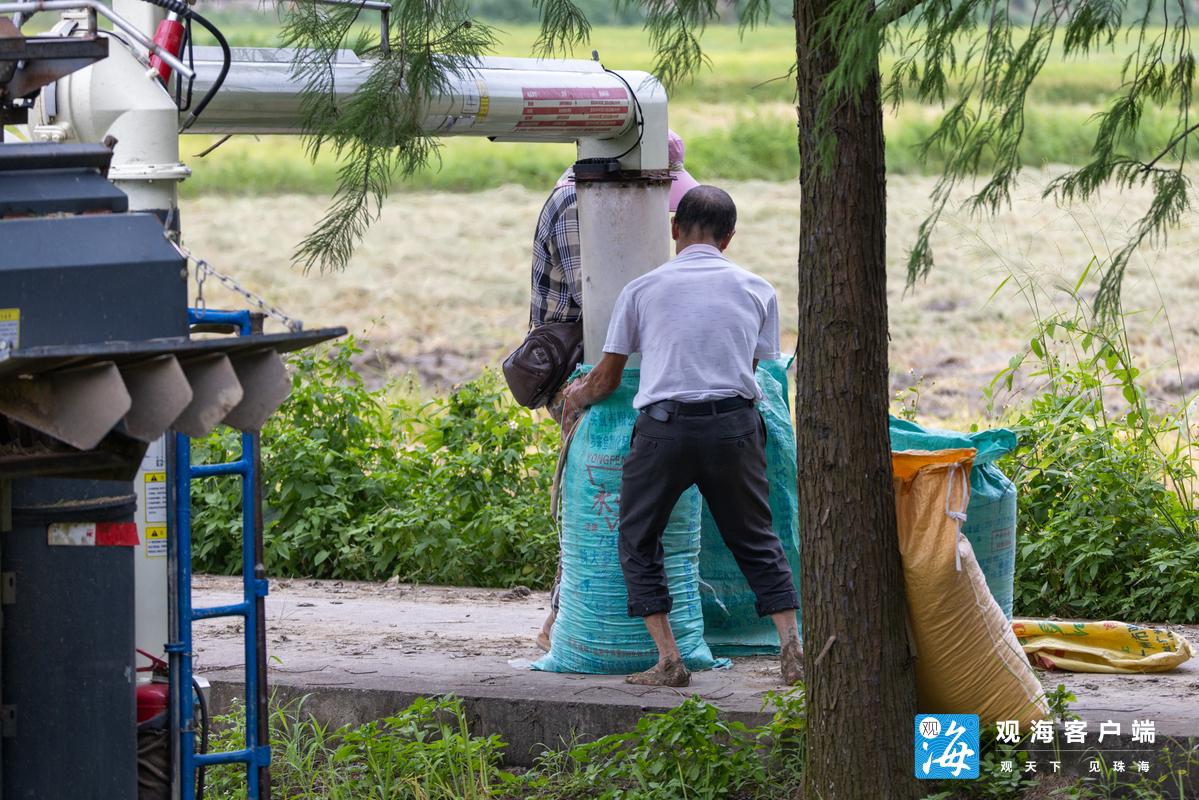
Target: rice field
pixel 439 289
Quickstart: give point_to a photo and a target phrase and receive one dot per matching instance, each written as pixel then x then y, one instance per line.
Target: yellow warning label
pixel 155 501
pixel 10 327
pixel 484 100
pixel 156 541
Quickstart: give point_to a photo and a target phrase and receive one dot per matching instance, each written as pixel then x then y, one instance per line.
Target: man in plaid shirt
pixel 557 280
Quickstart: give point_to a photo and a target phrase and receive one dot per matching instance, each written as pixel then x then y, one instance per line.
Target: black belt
pixel 663 409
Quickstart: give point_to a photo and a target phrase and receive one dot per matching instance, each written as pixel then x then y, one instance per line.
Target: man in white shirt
pixel 701 323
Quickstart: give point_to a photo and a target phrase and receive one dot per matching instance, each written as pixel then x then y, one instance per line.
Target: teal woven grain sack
pixel 731 625
pixel 593 632
pixel 991 514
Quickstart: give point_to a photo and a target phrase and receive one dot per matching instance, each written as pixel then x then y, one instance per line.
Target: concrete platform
pixel 363 651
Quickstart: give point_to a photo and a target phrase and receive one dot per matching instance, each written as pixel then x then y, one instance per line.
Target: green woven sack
pixel 593 632
pixel 991 514
pixel 731 625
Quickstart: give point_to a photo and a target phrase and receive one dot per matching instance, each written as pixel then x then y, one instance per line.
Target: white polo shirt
pixel 699 321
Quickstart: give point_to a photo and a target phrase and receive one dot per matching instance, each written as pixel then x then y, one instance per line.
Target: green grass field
pixel 737 116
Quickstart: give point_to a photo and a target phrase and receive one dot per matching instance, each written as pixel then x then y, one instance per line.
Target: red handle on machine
pixel 169 37
pixel 157 665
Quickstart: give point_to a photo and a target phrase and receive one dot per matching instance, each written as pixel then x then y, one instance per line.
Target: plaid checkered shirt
pixel 557 294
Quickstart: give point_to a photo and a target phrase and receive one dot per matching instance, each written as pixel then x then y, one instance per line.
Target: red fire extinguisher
pixel 154 696
pixel 169 37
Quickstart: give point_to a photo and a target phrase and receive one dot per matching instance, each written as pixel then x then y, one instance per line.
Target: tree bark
pixel 861 695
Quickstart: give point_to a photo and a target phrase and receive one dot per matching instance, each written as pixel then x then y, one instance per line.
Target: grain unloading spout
pixel 503 99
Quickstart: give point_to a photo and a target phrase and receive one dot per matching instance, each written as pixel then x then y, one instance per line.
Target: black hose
pixel 183 101
pixel 191 63
pixel 203 737
pixel 220 78
pixel 181 8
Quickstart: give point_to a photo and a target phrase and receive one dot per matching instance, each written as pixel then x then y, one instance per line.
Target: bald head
pixel 706 214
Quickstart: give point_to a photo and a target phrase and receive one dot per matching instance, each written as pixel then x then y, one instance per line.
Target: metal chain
pixel 204 270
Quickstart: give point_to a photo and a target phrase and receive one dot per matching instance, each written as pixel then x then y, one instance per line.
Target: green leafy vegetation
pixel 364 485
pixel 1107 520
pixel 689 752
pixel 427 752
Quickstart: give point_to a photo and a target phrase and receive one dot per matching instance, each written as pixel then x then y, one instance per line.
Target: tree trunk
pixel 861 695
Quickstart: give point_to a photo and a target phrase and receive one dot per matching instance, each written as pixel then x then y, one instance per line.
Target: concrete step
pixel 359 652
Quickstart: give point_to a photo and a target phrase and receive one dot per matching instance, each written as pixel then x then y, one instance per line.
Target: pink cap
pixel 683 182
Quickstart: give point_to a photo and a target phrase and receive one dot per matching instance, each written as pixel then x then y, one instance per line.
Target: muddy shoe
pixel 791 661
pixel 670 673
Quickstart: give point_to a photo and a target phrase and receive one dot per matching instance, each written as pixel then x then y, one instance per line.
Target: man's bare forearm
pixel 597 384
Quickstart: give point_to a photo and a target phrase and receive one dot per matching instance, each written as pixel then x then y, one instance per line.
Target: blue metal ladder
pixel 255 755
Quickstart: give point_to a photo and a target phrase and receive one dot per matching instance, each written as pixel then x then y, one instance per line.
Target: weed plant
pixel 687 752
pixel 1107 521
pixel 362 486
pixel 424 752
pixel 427 752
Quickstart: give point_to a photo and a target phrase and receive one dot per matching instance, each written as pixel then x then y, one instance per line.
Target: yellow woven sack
pixel 1100 646
pixel 967 658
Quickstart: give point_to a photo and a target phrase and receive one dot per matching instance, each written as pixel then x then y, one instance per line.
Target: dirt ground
pixel 440 285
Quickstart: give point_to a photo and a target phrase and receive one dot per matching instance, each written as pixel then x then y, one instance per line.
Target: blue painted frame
pixel 179 650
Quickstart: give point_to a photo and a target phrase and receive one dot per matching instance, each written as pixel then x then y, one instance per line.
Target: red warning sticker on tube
pixel 92 534
pixel 578 108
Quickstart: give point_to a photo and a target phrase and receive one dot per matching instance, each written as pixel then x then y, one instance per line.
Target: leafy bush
pixel 425 752
pixel 1107 522
pixel 362 487
pixel 688 751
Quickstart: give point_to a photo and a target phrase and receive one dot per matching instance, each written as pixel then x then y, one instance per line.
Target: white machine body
pixel 151 631
pixel 119 97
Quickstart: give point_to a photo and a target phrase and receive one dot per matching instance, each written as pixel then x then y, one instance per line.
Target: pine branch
pixel 563 26
pixel 895 10
pixel 378 133
pixel 1169 148
pixel 970 57
pixel 674 28
pixel 751 14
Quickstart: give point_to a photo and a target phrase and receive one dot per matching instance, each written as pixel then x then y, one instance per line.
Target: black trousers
pixel 725 455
